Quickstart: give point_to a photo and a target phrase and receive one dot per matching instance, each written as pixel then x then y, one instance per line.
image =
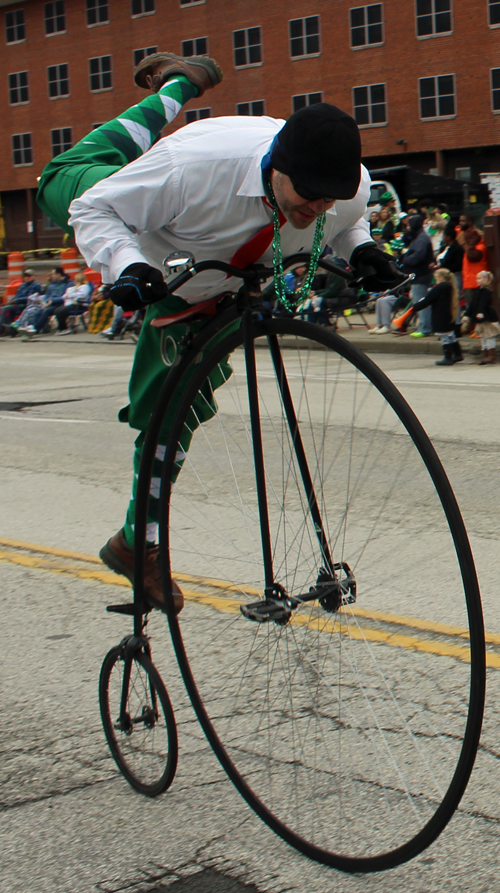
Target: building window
pixel 302 99
pixel 366 25
pixel 95 126
pixel 433 17
pixel 58 79
pixel 247 45
pixel 61 140
pixel 22 152
pixel 250 108
pixel 142 7
pixel 139 55
pixel 55 19
pixel 100 73
pixel 196 47
pixel 304 36
pixel 463 173
pixel 494 13
pixel 197 115
pixel 18 88
pixel 97 12
pixel 14 26
pixel 191 2
pixel 495 89
pixel 437 96
pixel 370 106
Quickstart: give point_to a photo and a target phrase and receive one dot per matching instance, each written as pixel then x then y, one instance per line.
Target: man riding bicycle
pixel 222 188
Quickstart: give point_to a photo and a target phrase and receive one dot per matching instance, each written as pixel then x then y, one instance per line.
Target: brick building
pixel 422 77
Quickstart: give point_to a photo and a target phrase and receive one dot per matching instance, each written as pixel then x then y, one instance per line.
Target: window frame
pixel 247 47
pixel 433 16
pixel 13 12
pixel 142 50
pixel 490 4
pixel 61 142
pixel 91 75
pixel 304 37
pixel 96 24
pixel 436 98
pixel 367 46
pixel 188 3
pixel 190 120
pixel 493 90
pixel 307 103
pixel 16 74
pixel 252 114
pixel 58 80
pixel 370 105
pixel 22 149
pixel 197 52
pixel 140 15
pixel 45 18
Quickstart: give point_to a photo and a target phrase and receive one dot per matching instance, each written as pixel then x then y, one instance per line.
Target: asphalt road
pixel 68 821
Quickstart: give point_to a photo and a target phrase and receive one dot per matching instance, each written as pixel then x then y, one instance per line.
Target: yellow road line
pixel 48 550
pixel 224 604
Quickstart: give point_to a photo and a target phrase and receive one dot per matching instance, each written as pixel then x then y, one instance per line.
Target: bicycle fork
pixel 335 584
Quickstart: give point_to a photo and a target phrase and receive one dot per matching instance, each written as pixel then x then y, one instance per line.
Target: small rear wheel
pixel 141 732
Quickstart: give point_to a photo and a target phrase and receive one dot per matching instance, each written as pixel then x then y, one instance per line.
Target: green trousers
pixel 101 153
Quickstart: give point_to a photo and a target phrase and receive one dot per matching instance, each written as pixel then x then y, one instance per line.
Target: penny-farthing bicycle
pixel 332 641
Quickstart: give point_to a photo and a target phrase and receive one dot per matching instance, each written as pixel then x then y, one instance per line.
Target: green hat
pixel 386 197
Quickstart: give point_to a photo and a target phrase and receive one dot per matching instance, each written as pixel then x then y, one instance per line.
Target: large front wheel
pixel 349 722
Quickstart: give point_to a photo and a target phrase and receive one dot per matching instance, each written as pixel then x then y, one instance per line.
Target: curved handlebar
pixel 262 273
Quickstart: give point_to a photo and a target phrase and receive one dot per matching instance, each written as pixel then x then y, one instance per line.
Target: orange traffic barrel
pixel 15 265
pixel 70 262
pixel 11 289
pixel 93 276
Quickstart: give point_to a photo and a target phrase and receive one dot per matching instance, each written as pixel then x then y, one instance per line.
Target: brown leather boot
pixel 154 70
pixel 489 356
pixel 118 556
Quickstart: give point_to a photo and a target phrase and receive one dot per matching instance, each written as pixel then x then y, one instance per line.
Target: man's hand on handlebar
pixel 138 286
pixel 378 270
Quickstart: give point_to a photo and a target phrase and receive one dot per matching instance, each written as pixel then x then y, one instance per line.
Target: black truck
pixel 461 196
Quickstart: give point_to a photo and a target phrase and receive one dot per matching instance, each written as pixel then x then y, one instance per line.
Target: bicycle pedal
pixel 268 609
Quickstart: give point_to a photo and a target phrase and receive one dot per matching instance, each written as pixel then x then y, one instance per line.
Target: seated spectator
pixel 383 310
pixel 76 302
pixel 13 309
pixel 53 297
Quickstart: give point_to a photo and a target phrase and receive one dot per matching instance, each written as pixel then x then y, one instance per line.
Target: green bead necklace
pixel 281 288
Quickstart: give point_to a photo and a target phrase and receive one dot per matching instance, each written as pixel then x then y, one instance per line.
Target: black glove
pixel 377 269
pixel 138 285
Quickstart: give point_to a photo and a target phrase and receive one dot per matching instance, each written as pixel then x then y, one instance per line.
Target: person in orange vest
pixel 474 261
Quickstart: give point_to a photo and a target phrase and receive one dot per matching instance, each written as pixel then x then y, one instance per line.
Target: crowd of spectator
pixel 451 287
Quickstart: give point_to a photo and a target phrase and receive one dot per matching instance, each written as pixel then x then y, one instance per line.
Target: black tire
pixel 146 751
pixel 351 733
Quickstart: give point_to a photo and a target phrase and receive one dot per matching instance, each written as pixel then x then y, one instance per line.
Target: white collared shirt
pixel 201 190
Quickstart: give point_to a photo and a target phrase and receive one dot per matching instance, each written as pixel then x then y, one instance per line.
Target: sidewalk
pixel 401 344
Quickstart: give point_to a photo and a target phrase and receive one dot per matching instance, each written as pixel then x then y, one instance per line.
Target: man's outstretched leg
pixel 173 81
